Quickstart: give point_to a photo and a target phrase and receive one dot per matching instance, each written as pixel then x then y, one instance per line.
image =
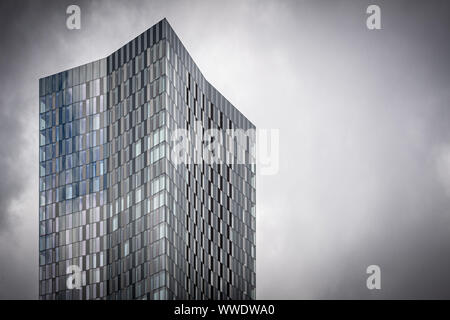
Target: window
pixel 158 201
pixel 69 191
pixel 96 184
pixel 82 125
pixel 97 87
pixel 158 184
pixel 157 153
pixel 96 122
pixel 138 149
pixel 126 248
pixel 115 223
pixel 138 194
pixel 156 138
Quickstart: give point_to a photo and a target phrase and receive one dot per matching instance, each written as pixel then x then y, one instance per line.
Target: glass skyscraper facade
pixel 115 204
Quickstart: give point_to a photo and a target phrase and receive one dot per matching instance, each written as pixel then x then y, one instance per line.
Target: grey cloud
pixel 363 118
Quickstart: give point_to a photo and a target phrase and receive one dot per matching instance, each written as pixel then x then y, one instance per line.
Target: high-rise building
pixel 119 216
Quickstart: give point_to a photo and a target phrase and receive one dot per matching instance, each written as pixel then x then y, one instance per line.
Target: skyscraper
pixel 119 216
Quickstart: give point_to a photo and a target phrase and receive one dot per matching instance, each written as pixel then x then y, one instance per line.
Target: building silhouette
pixel 119 216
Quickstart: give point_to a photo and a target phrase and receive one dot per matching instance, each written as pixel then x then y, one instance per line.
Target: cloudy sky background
pixel 364 131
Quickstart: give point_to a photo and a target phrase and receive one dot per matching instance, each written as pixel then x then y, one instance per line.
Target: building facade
pixel 119 218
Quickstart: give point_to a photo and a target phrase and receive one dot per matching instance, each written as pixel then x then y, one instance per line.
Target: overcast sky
pixel 364 131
